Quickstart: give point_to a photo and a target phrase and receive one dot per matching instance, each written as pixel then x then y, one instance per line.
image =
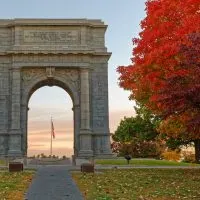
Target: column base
pixel 85 154
pixel 80 161
pixel 15 153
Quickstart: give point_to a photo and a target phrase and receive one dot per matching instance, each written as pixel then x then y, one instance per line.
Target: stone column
pixel 15 129
pixel 85 132
pixel 76 112
pixel 16 87
pixel 24 131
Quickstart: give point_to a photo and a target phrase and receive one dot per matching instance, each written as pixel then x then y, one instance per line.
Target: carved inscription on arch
pixel 49 36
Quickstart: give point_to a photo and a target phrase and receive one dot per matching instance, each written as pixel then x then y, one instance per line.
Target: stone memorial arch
pixel 69 53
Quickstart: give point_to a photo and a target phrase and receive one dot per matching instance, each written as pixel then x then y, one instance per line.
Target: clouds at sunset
pixel 39 133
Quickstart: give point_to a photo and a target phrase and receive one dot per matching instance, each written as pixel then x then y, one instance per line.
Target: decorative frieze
pixel 32 74
pixel 71 76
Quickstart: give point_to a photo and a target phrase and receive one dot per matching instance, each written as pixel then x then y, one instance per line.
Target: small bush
pixel 188 157
pixel 64 157
pixel 138 149
pixel 42 155
pixel 171 155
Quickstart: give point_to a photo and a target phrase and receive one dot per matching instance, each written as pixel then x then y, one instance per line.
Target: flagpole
pixel 51 139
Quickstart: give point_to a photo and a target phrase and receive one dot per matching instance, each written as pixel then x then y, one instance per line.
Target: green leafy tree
pixel 142 126
pixel 140 135
pixel 137 135
pixel 154 122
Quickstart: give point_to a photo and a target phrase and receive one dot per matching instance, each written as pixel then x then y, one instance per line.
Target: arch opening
pixel 45 102
pixel 50 83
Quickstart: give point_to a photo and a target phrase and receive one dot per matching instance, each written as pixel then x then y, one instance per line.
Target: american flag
pixel 52 129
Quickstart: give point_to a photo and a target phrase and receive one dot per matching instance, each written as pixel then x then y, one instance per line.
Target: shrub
pixel 138 148
pixel 116 147
pixel 64 157
pixel 171 155
pixel 188 157
pixel 42 155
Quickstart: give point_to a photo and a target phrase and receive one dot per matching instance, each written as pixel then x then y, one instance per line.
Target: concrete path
pixel 48 161
pixel 53 183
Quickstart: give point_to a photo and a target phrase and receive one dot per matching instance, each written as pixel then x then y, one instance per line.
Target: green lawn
pixel 2 162
pixel 146 162
pixel 14 185
pixel 140 184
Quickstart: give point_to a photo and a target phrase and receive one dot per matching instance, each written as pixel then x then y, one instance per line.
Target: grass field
pixel 2 162
pixel 146 162
pixel 140 184
pixel 14 185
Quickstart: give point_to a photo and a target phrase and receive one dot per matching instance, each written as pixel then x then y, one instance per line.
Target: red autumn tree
pixel 165 70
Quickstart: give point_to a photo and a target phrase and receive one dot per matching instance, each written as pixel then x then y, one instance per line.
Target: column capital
pixel 76 107
pixel 85 131
pixel 15 69
pixel 85 69
pixel 15 132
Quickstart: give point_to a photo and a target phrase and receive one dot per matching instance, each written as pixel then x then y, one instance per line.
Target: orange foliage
pixel 171 155
pixel 165 70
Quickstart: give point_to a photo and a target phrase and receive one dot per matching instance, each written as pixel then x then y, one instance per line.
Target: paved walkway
pixel 53 183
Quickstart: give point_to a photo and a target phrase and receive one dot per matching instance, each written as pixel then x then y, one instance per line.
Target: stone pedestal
pixel 80 161
pixel 14 144
pixel 85 144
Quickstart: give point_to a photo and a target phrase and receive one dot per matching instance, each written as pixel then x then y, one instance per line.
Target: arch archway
pixel 67 79
pixel 68 53
pixel 46 103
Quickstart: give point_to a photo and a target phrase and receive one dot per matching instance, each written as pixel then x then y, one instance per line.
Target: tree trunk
pixel 197 150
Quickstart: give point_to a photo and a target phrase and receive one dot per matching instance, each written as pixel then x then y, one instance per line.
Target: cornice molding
pixel 52 22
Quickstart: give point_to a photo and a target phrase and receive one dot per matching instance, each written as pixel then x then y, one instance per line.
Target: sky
pixel 123 20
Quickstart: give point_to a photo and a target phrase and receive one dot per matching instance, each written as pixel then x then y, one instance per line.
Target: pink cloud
pixel 39 132
pixel 117 116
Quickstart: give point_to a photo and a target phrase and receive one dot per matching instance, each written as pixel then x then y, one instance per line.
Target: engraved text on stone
pixel 50 36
